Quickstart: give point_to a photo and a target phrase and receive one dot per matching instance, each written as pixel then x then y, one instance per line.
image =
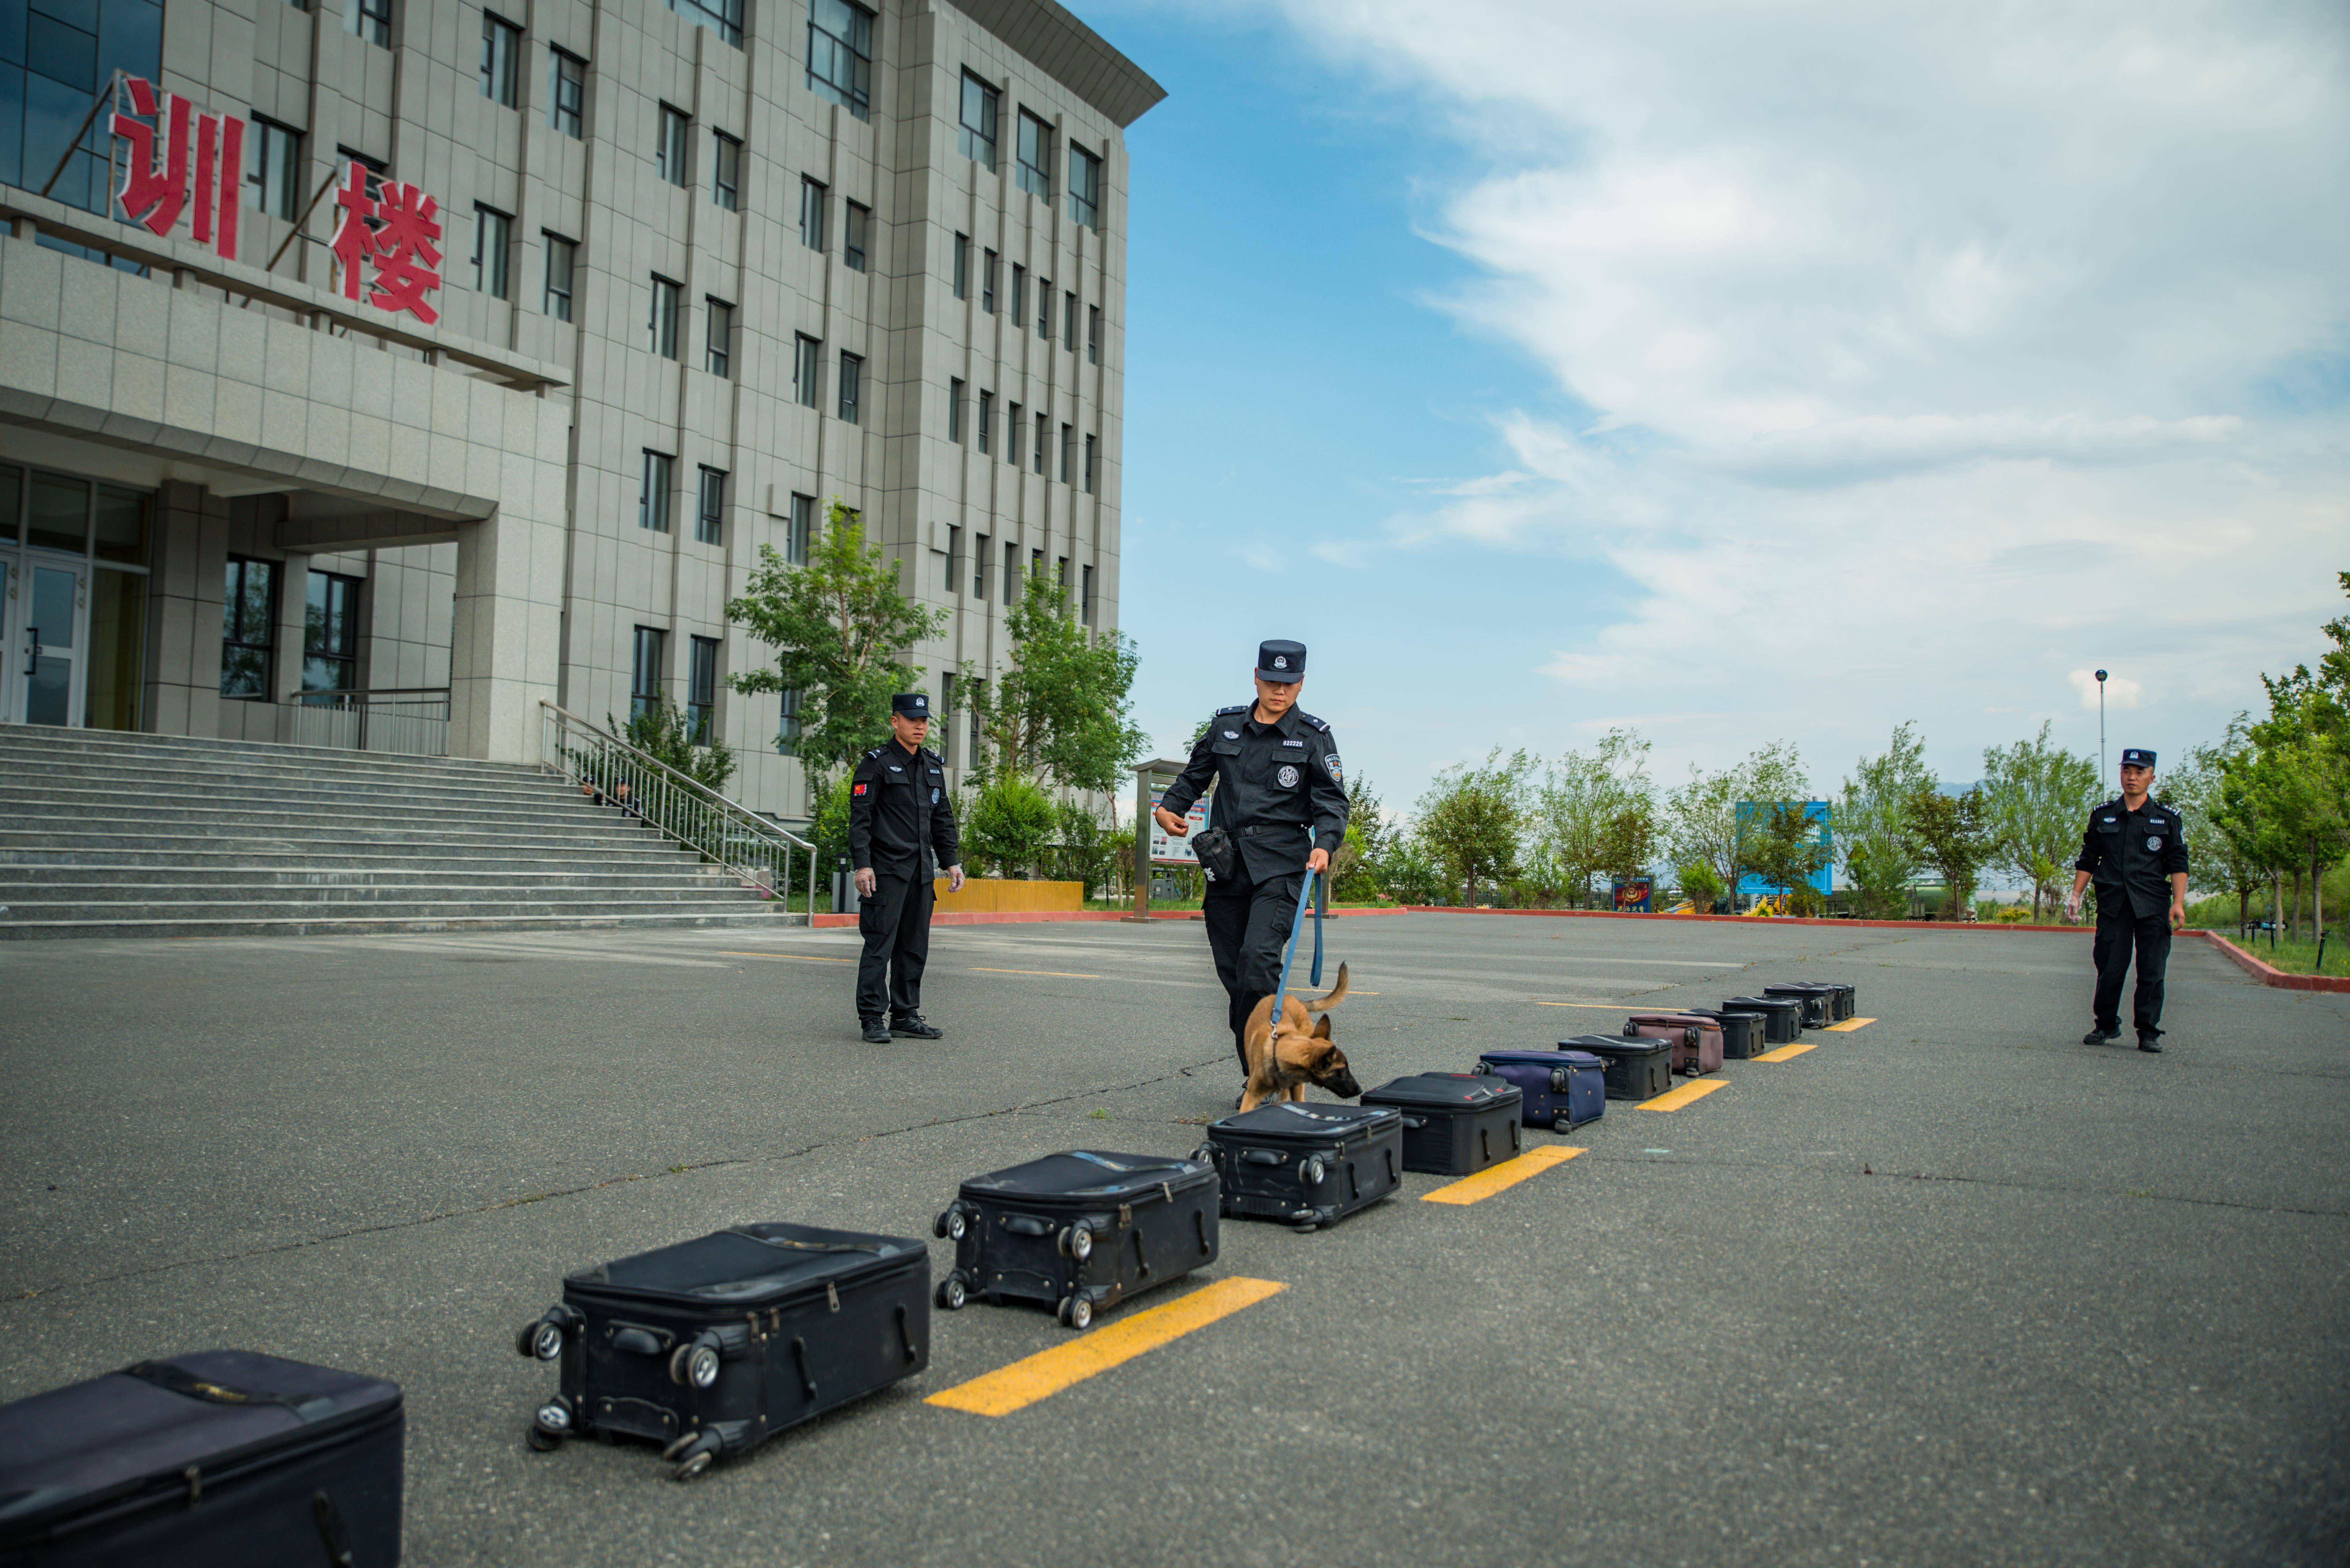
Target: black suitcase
pixel 711 1347
pixel 1846 1002
pixel 220 1458
pixel 1454 1124
pixel 1306 1164
pixel 1782 1016
pixel 1079 1231
pixel 1742 1033
pixel 1638 1069
pixel 1818 1000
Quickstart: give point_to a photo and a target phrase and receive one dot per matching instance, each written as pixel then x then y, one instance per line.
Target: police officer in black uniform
pixel 2136 848
pixel 899 817
pixel 1280 796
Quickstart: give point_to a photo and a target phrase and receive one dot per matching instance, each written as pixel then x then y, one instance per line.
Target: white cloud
pixel 2121 691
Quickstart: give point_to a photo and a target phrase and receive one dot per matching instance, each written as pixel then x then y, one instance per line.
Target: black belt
pixel 1251 831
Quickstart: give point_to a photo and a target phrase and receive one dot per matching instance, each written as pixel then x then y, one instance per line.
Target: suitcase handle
pixel 800 1354
pixel 179 1380
pixel 332 1531
pixel 1415 1123
pixel 1200 1225
pixel 1026 1225
pixel 1261 1156
pixel 905 1337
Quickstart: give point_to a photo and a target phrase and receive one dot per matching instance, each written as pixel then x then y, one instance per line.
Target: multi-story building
pixel 702 270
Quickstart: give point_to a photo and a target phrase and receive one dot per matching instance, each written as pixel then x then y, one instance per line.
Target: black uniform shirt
pixel 1273 782
pixel 898 806
pixel 2131 854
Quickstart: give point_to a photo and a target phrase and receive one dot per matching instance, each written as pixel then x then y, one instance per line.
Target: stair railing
pixel 613 772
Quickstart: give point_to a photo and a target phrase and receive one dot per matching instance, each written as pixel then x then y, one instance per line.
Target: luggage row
pixel 711 1346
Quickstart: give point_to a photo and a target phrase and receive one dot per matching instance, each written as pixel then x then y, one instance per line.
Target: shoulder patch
pixel 1317 724
pixel 875 752
pixel 1236 708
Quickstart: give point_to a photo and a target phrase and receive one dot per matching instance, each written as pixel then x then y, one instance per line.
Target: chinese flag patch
pixel 858 789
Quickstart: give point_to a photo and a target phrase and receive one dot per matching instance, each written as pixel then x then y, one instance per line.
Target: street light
pixel 2101 728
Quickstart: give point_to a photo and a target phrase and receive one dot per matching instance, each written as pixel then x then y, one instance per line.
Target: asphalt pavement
pixel 1948 1288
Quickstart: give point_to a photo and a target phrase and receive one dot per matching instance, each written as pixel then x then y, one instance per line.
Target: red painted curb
pixel 1761 919
pixel 2269 975
pixel 1021 917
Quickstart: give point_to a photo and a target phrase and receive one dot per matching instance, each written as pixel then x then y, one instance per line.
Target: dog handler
pixel 2134 847
pixel 899 816
pixel 1282 799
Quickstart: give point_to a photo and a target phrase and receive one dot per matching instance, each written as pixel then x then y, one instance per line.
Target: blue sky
pixel 1545 367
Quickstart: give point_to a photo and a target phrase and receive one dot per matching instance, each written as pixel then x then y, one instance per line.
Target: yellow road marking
pixel 1046 1373
pixel 797 958
pixel 1597 1006
pixel 1850 1024
pixel 1788 1053
pixel 1688 1093
pixel 1057 973
pixel 1496 1178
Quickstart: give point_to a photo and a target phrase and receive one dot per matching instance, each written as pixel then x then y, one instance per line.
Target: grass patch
pixel 2294 957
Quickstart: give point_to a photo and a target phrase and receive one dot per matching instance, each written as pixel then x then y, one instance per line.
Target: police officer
pixel 2136 848
pixel 1280 797
pixel 899 817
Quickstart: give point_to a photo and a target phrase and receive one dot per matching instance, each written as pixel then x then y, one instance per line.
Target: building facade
pixel 274 454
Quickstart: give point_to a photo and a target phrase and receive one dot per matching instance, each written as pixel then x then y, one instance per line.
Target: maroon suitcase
pixel 1696 1042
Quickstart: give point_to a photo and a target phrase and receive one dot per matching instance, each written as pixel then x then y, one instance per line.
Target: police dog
pixel 1283 1061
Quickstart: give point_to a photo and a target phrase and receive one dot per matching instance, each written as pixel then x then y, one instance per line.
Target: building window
pixel 973 705
pixel 954 411
pixel 248 629
pixel 561 255
pixel 273 169
pixel 1019 294
pixel 857 225
pixel 1015 429
pixel 787 731
pixel 1036 172
pixel 644 676
pixel 954 588
pixel 987 284
pixel 1044 437
pixel 663 324
pixel 674 151
pixel 1011 573
pixel 1068 451
pixel 1089 464
pixel 1069 321
pixel 1044 308
pixel 725 171
pixel 710 513
pixel 840 55
pixel 724 18
pixel 802 532
pixel 807 370
pixel 718 351
pixel 1085 187
pixel 979 554
pixel 492 244
pixel 1093 334
pixel 1061 572
pixel 370 19
pixel 986 412
pixel 978 136
pixel 501 60
pixel 567 92
pixel 852 378
pixel 652 500
pixel 700 689
pixel 375 168
pixel 812 194
pixel 962 267
pixel 330 633
pixel 1086 598
pixel 946 710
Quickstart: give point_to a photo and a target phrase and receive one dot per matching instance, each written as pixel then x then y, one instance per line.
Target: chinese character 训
pixel 157 198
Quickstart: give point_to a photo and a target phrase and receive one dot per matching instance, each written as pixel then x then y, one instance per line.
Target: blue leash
pixel 1314 881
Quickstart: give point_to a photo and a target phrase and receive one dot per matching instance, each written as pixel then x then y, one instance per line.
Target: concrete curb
pixel 1011 916
pixel 1769 919
pixel 2268 975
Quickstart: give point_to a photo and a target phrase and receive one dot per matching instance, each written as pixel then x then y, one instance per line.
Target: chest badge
pixel 934 794
pixel 2154 843
pixel 1288 777
pixel 1232 734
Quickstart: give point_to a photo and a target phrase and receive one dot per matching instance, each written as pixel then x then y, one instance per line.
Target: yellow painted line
pixel 1595 1006
pixel 1498 1178
pixel 1688 1093
pixel 1788 1053
pixel 796 958
pixel 1057 973
pixel 1046 1373
pixel 1850 1024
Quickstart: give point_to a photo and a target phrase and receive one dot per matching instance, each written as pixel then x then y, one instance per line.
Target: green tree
pixel 1061 712
pixel 2193 787
pixel 1008 825
pixel 663 733
pixel 839 626
pixel 1953 833
pixel 1786 846
pixel 1470 817
pixel 2036 797
pixel 1873 837
pixel 1409 874
pixel 1699 885
pixel 1701 821
pixel 1593 814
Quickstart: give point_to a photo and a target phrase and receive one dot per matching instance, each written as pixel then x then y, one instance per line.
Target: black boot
pixel 914 1027
pixel 2100 1036
pixel 876 1033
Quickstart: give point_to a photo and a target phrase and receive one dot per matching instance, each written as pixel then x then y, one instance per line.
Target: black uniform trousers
pixel 896 925
pixel 2119 930
pixel 1248 925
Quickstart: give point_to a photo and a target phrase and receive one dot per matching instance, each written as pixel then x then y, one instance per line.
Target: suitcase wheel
pixel 1077 1312
pixel 696 1457
pixel 953 1223
pixel 1077 1241
pixel 540 1440
pixel 541 1338
pixel 954 1292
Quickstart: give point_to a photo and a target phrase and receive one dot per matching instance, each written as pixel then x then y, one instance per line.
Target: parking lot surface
pixel 1950 1287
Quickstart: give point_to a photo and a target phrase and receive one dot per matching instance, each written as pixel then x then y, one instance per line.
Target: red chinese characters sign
pixel 387 240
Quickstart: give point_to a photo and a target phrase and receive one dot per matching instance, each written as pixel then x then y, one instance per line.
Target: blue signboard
pixel 1824 879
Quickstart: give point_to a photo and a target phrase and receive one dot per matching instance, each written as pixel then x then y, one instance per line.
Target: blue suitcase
pixel 1563 1089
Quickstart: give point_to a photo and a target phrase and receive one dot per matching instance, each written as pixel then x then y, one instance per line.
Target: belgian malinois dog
pixel 1284 1060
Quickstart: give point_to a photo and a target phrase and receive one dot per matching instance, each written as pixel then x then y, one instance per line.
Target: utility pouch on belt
pixel 1213 845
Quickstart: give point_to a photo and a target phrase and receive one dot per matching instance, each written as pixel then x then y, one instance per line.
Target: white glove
pixel 2073 907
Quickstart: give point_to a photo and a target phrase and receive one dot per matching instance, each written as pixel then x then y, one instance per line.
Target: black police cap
pixel 2137 757
pixel 1281 662
pixel 913 704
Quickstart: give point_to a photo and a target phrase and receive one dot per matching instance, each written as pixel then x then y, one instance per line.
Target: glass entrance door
pixel 49 626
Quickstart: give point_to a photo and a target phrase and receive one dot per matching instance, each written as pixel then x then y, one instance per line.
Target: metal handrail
pixel 681 808
pixel 307 693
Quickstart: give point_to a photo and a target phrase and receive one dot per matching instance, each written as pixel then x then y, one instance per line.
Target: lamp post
pixel 2101 729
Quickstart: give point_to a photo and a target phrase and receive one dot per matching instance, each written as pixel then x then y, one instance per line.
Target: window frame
pixel 709 507
pixel 571 104
pixel 234 601
pixel 979 142
pixel 700 688
pixel 1044 437
pixel 856 95
pixel 725 171
pixel 1034 177
pixel 981 551
pixel 718 338
pixel 1019 300
pixel 955 389
pixel 1093 334
pixel 961 274
pixel 852 387
pixel 1045 307
pixel 661 324
pixel 499 254
pixel 1085 207
pixel 724 18
pixel 501 74
pixel 263 134
pixel 814 196
pixel 799 533
pixel 1092 440
pixel 371 20
pixel 660 478
pixel 1015 434
pixel 557 245
pixel 673 147
pixel 986 415
pixel 1068 451
pixel 987 276
pixel 807 370
pixel 1069 319
pixel 645 673
pixel 856 234
pixel 347 621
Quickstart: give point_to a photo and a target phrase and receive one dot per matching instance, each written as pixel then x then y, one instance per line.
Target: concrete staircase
pixel 111 835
